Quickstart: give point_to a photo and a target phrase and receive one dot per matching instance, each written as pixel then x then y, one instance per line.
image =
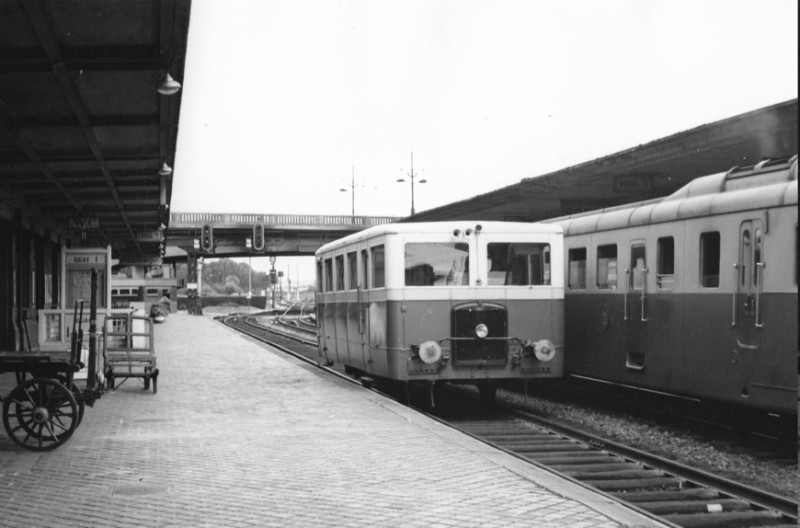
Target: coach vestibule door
pixel 363 310
pixel 636 307
pixel 747 317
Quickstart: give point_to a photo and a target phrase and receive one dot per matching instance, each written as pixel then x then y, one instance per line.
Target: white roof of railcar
pixel 768 184
pixel 492 227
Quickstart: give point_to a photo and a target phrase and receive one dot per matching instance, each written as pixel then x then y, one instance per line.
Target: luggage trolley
pixel 128 350
pixel 46 406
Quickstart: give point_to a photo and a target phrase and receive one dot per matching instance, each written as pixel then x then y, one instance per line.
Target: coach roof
pixel 463 226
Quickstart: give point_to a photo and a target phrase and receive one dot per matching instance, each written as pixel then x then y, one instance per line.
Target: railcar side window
pixel 352 267
pixel 577 269
pixel 709 259
pixel 364 268
pixel 378 267
pixel 437 264
pixel 320 285
pixel 665 265
pixel 328 275
pixel 339 271
pixel 607 267
pixel 517 264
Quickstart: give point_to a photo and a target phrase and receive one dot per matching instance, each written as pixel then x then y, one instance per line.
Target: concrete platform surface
pixel 240 436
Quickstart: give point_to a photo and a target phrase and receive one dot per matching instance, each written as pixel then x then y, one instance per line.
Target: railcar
pixel 444 301
pixel 694 294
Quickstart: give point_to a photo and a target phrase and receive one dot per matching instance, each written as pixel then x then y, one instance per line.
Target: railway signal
pixel 207 238
pixel 258 237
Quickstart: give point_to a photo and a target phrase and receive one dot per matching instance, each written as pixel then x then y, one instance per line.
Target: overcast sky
pixel 282 99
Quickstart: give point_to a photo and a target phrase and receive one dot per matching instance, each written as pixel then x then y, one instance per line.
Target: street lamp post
pixel 411 176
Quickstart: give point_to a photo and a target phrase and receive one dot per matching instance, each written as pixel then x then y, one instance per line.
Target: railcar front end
pixel 456 301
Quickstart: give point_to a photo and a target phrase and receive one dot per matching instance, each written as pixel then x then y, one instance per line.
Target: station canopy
pixel 87 142
pixel 647 171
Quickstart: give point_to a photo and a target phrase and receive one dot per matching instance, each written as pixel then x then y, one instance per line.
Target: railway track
pixel 672 492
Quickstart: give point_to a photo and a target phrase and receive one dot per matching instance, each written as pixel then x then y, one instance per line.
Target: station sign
pixel 149 236
pixel 85 258
pixel 632 183
pixel 84 222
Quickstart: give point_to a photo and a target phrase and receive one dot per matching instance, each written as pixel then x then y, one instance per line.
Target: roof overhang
pixel 84 133
pixel 647 171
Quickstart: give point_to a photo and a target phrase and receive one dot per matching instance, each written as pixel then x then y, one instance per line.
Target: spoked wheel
pixel 76 392
pixel 40 414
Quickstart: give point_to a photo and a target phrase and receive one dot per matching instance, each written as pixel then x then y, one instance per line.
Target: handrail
pixel 735 293
pixel 644 294
pixel 760 278
pixel 625 297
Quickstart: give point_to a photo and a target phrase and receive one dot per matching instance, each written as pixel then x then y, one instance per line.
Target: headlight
pixel 481 331
pixel 544 350
pixel 430 352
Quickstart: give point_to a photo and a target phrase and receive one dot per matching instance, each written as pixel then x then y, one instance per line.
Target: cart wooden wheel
pixel 76 392
pixel 40 414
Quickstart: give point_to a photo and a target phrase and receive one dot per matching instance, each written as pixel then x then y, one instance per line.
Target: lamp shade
pixel 168 86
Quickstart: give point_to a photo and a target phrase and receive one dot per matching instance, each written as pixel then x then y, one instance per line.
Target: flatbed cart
pixel 46 406
pixel 128 350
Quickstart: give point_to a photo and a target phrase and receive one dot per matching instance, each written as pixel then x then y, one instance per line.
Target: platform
pixel 240 436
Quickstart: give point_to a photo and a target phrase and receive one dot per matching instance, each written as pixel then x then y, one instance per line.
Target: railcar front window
pixel 577 269
pixel 518 264
pixel 607 267
pixel 437 264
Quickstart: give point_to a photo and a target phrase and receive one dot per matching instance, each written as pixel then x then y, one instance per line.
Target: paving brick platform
pixel 239 436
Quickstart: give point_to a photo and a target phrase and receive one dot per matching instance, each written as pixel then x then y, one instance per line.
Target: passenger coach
pixel 456 301
pixel 694 294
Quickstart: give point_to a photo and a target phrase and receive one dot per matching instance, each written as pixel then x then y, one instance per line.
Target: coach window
pixel 320 285
pixel 364 267
pixel 607 267
pixel 436 263
pixel 328 275
pixel 577 269
pixel 352 267
pixel 709 259
pixel 516 264
pixel 665 263
pixel 338 269
pixel 378 267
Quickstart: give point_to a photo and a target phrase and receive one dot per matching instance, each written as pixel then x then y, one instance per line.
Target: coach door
pixel 747 316
pixel 635 307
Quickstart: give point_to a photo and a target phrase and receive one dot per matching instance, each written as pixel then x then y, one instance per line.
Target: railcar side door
pixel 636 307
pixel 747 317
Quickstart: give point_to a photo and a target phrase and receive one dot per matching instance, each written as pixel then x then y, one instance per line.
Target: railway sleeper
pixel 559 447
pixel 635 484
pixel 585 457
pixel 726 519
pixel 635 473
pixel 676 495
pixel 579 466
pixel 698 506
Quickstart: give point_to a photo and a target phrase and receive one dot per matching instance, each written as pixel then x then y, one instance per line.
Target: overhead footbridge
pixel 251 234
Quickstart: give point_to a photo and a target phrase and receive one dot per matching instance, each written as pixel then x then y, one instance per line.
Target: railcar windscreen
pixel 437 264
pixel 518 264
